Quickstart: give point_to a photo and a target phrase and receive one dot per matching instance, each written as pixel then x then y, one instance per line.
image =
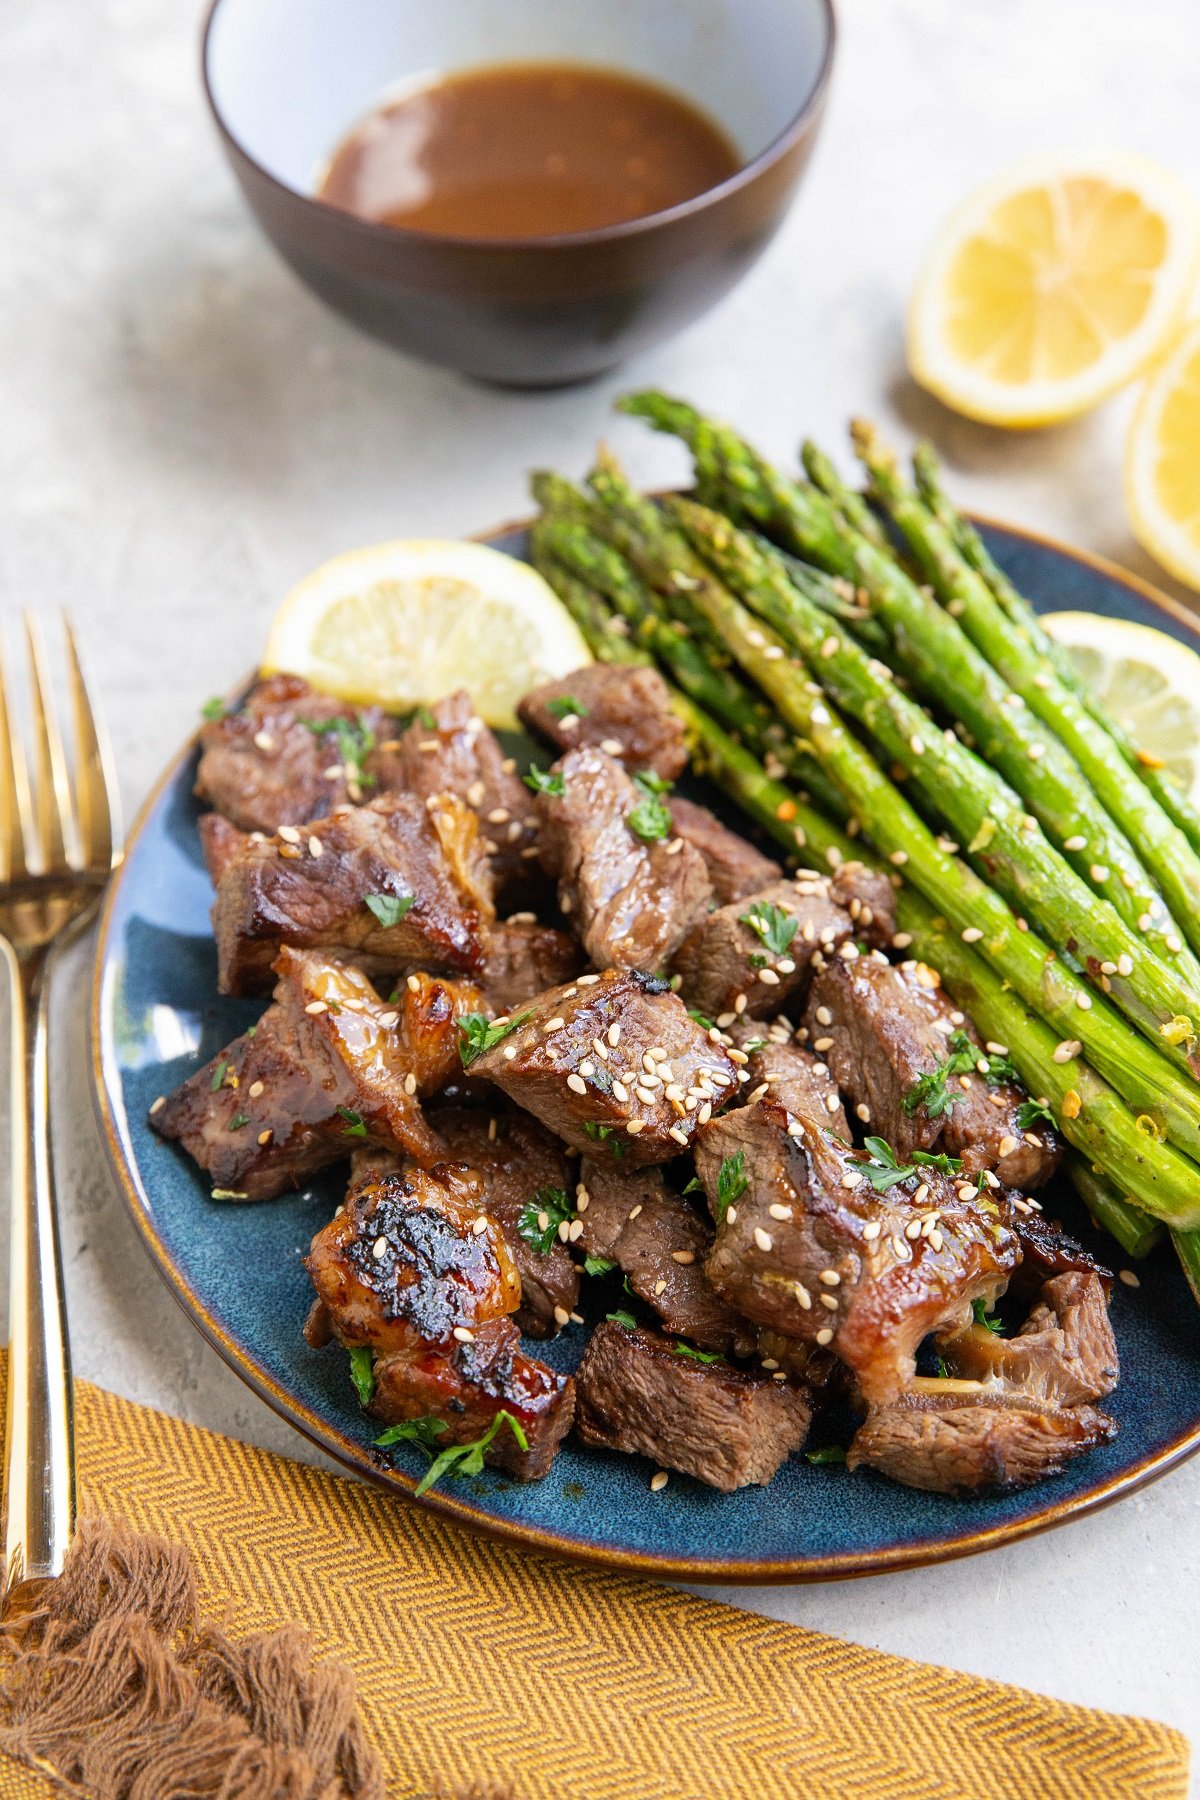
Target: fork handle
pixel 39 1457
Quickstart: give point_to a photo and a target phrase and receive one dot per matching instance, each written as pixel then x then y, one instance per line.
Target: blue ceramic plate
pixel 237 1270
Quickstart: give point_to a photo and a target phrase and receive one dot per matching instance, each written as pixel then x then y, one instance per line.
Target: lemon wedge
pixel 1052 286
pixel 405 622
pixel 1147 681
pixel 1162 460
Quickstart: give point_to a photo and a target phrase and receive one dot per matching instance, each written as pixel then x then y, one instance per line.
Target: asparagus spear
pixel 1136 1233
pixel 852 506
pixel 1162 846
pixel 1166 790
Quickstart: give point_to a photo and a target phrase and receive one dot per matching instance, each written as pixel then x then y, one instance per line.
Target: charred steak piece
pixel 723 1425
pixel 1046 1251
pixel 613 1065
pixel 220 843
pixel 957 1443
pixel 790 1074
pixel 516 1160
pixel 328 1066
pixel 287 755
pixel 807 1243
pixel 623 709
pixel 449 750
pixel 523 959
pixel 898 1046
pixel 393 885
pixel 404 1269
pixel 659 1242
pixel 1065 1353
pixel 631 899
pixel 755 956
pixel 735 867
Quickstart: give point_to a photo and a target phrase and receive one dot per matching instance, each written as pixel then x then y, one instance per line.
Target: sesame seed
pixel 731 1215
pixel 739 1005
pixel 778 1211
pixel 913 1229
pixel 972 934
pixel 823 1043
pixel 899 857
pixel 901 940
pixel 264 1137
pixel 803 1296
pixel 509 1052
pixel 413 984
pixel 577 1084
pixel 634 1126
pixel 636 1210
pixel 768 977
pixel 1124 965
pixel 679 1134
pixel 480 1226
pixel 1145 922
pixel 1036 752
pixel 289 834
pixel 830 647
pixel 683 1256
pixel 659 1481
pixel 831 1278
pixel 1069 1048
pixel 587 980
pixel 554 1024
pixel 315 1007
pixel 832 1103
pixel 828 1302
pixel 499 815
pixel 387 1020
pixel 160 1103
pixel 410 1083
pixel 1129 1278
pixel 614 1034
pixel 705 1113
pixel 379 1249
pixel 763 1238
pixel 561 1316
pixel 660 1285
pixel 264 740
pixel 852 1178
pixel 575 1231
pixel 871 1230
pixel 1099 872
pixel 921 1195
pixel 1007 1145
pixel 1083 1002
pixel 916 746
pixel 1173 942
pixel 492 1138
pixel 825 1335
pixel 620 1092
pixel 1075 843
pixel 611 746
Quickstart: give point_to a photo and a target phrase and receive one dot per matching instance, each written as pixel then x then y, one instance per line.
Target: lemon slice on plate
pixel 408 621
pixel 1147 681
pixel 1162 462
pixel 1052 286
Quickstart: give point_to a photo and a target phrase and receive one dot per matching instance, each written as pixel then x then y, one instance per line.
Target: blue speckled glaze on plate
pixel 237 1269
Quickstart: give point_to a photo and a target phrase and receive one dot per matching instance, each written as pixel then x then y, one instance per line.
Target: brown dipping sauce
pixel 527 150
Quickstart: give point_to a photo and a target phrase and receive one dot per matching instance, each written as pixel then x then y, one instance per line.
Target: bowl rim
pixel 743 177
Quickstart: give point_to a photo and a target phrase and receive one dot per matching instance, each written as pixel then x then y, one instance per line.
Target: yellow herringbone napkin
pixel 477 1663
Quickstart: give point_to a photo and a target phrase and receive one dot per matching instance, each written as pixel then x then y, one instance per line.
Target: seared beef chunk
pixel 394 885
pixel 282 760
pixel 515 1159
pixel 805 1243
pixel 1046 1251
pixel 449 750
pixel 735 867
pixel 328 1065
pixel 898 1046
pixel 524 959
pixel 623 709
pixel 725 1426
pixel 405 1269
pixel 220 843
pixel 957 1444
pixel 659 1242
pixel 1064 1353
pixel 754 956
pixel 791 1075
pixel 613 1065
pixel 631 901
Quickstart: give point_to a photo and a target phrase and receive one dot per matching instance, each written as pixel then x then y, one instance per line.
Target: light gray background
pixel 184 432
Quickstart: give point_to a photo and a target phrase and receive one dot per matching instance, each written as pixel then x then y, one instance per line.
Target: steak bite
pixel 959 1443
pixel 412 1268
pixel 516 1160
pixel 287 755
pixel 725 1426
pixel 623 709
pixel 613 1065
pixel 1065 1352
pixel 523 959
pixel 449 750
pixel 808 1245
pixel 900 1049
pixel 659 1242
pixel 394 885
pixel 791 1075
pixel 753 957
pixel 735 867
pixel 632 900
pixel 220 843
pixel 328 1066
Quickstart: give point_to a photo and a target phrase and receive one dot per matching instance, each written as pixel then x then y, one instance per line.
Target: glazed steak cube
pixel 902 1050
pixel 960 1445
pixel 725 1426
pixel 516 1160
pixel 613 1065
pixel 790 1074
pixel 735 867
pixel 659 1242
pixel 328 1066
pixel 394 885
pixel 449 750
pixel 755 956
pixel 523 959
pixel 623 709
pixel 286 756
pixel 631 900
pixel 807 1243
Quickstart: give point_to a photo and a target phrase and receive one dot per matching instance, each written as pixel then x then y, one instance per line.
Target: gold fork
pixel 60 840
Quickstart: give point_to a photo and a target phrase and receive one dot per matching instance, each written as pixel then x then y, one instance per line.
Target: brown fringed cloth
pixel 115 1688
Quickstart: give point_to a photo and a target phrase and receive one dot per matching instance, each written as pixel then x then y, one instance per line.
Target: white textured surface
pixel 186 431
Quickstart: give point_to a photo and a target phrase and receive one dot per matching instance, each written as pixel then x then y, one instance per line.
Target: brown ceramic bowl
pixel 286 79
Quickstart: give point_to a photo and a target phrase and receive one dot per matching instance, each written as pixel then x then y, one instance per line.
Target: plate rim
pixel 354 1457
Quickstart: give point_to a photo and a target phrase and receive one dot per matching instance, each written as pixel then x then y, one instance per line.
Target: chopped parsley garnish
pixel 362 1372
pixel 774 927
pixel 467 1459
pixel 601 1134
pixel 700 1356
pixel 389 909
pixel 732 1183
pixel 354 743
pixel 238 1120
pixel 705 1023
pixel 999 1068
pixel 943 1372
pixel 477 1034
pixel 413 1431
pixel 1031 1113
pixel 829 1453
pixel 651 818
pixel 694 1186
pixel 354 1123
pixel 753 1044
pixel 549 1203
pixel 218 1075
pixel 426 719
pixel 983 1317
pixel 930 1093
pixel 884 1170
pixel 757 960
pixel 566 706
pixel 213 710
pixel 625 1319
pixel 598 1265
pixel 546 781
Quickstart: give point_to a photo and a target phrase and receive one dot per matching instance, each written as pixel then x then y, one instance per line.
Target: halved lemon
pixel 1162 461
pixel 1149 682
pixel 1052 286
pixel 408 621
